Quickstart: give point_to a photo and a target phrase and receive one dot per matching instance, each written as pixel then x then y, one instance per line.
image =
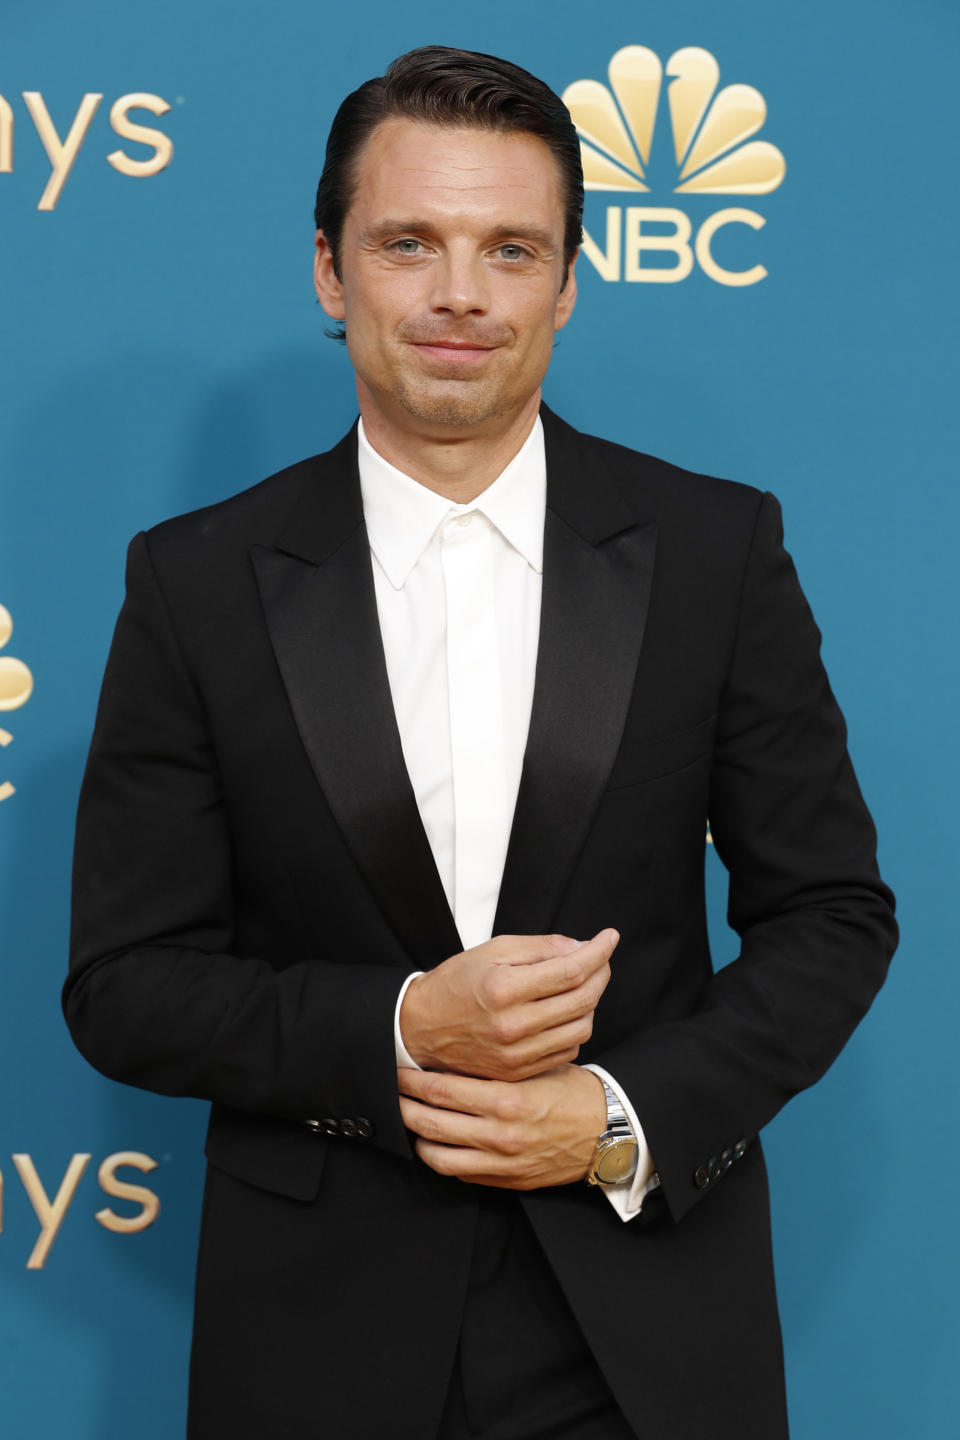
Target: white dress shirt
pixel 458 598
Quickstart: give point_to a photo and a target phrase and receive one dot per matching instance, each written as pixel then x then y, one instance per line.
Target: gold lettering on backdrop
pixel 734 216
pixel 6 137
pixel 606 263
pixel 16 687
pixel 122 1190
pixel 142 134
pixel 61 153
pixel 50 1213
pixel 676 243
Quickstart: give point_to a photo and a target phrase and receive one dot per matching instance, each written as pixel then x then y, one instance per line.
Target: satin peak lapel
pixel 597 574
pixel 318 597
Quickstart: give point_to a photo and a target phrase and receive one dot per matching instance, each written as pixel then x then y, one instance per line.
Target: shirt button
pixel 464 520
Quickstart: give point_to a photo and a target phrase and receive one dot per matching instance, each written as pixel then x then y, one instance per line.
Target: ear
pixel 325 281
pixel 567 297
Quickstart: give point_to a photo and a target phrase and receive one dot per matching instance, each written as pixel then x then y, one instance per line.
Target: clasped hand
pixel 497 1028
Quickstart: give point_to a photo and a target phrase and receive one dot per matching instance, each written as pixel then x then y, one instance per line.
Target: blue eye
pixel 512 252
pixel 407 247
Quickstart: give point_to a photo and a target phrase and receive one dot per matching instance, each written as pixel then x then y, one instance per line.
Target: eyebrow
pixel 384 229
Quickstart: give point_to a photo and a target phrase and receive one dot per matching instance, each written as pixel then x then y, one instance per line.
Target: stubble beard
pixel 458 402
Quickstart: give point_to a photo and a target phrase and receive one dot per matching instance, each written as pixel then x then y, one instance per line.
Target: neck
pixel 458 465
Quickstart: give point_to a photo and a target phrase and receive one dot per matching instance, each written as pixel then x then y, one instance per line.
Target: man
pixel 472 674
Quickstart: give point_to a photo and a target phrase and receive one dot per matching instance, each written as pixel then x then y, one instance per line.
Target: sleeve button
pixel 701 1177
pixel 348 1127
pixel 364 1128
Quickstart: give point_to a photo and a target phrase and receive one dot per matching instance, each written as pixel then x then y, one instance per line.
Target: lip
pixel 457 351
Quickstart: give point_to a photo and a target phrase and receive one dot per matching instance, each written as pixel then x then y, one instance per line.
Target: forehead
pixel 408 166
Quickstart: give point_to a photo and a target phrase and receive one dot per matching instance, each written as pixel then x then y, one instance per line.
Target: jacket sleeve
pixel 156 996
pixel 815 920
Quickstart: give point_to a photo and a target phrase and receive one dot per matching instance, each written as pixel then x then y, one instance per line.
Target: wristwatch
pixel 615 1158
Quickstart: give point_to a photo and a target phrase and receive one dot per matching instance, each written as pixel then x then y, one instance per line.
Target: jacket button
pixel 348 1127
pixel 701 1177
pixel 364 1128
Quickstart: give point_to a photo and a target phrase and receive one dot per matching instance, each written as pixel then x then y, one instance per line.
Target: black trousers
pixel 523 1369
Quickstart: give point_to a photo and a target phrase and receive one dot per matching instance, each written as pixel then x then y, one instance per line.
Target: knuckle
pixel 506 1106
pixel 499 988
pixel 516 1065
pixel 574 971
pixel 435 1089
pixel 511 1028
pixel 497 1029
pixel 507 1028
pixel 509 1140
pixel 430 1127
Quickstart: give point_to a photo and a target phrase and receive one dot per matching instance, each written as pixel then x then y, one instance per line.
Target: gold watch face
pixel 617 1162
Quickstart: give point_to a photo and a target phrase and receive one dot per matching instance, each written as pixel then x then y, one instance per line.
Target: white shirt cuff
pixel 405 1060
pixel 627 1197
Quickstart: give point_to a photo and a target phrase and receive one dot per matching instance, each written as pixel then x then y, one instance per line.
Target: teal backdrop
pixel 160 348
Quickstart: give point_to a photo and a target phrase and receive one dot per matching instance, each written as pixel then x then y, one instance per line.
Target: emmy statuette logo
pixel 62 151
pixel 16 687
pixel 713 153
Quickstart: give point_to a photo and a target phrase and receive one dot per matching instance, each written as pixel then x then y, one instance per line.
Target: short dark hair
pixel 453 88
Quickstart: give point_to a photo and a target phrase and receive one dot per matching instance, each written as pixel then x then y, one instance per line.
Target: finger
pixel 479 1167
pixel 449 1127
pixel 572 1005
pixel 566 972
pixel 529 949
pixel 558 1038
pixel 520 1026
pixel 445 1091
pixel 553 1061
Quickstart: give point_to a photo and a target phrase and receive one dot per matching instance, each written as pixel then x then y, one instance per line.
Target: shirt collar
pixel 402 515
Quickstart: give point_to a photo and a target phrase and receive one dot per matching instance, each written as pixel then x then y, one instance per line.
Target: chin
pixel 468 405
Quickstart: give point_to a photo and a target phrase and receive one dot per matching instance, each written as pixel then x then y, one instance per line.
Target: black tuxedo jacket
pixel 253 883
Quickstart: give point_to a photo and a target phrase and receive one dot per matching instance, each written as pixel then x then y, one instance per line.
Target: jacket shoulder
pixel 251 516
pixel 595 472
pixel 675 493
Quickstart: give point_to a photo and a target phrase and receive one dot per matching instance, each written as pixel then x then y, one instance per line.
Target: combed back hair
pixel 456 88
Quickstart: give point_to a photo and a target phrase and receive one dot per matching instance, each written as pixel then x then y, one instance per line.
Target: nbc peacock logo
pixel 713 153
pixel 16 687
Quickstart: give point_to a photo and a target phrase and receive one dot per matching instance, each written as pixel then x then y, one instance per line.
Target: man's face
pixel 451 275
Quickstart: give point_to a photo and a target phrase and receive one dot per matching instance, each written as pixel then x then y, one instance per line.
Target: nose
pixel 460 282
